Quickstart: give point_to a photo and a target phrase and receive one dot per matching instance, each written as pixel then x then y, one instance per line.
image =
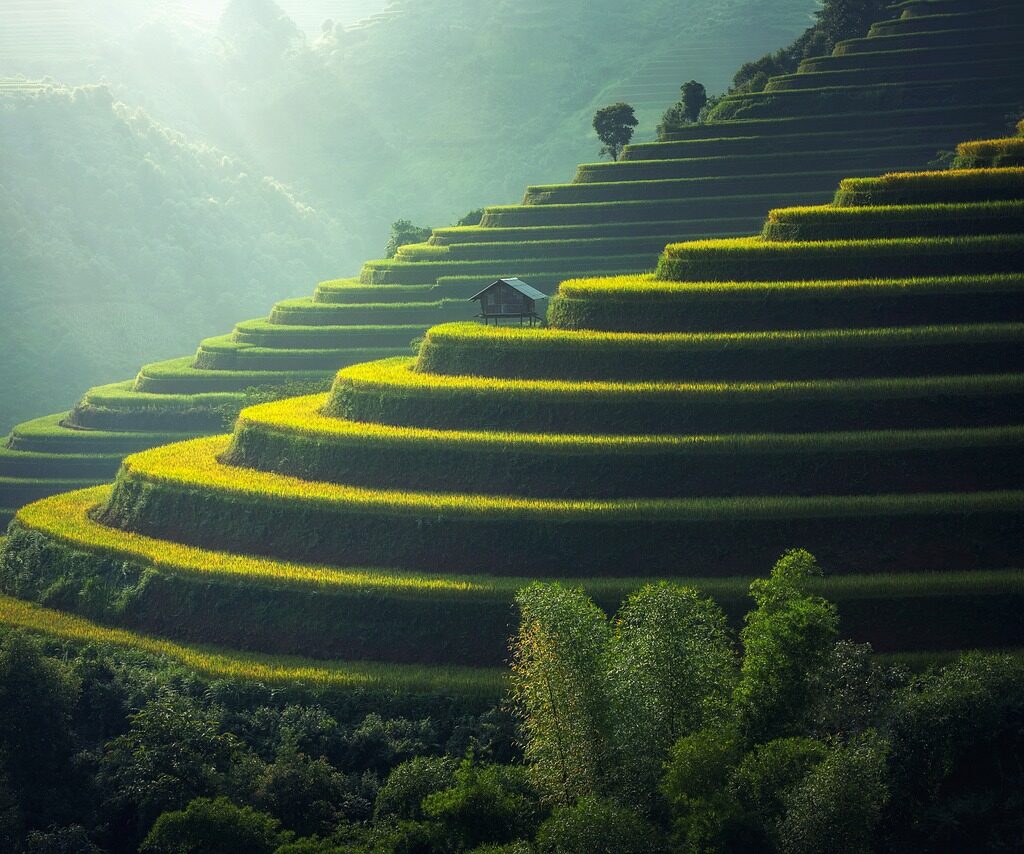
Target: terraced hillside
pixel 836 383
pixel 712 180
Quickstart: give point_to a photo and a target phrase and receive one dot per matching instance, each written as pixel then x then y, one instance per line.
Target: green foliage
pixel 213 826
pixel 787 640
pixel 601 705
pixel 597 826
pixel 404 232
pixel 686 110
pixel 670 670
pixel 37 698
pixel 557 687
pixel 472 218
pixel 837 808
pixel 402 794
pixel 173 753
pixel 487 804
pixel 614 126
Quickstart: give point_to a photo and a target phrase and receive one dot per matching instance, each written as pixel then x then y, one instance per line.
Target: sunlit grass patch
pixel 228 664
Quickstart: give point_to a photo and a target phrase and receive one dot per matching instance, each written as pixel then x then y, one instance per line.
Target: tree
pixel 694 97
pixel 597 826
pixel 614 125
pixel 37 698
pixel 403 232
pixel 558 689
pixel 788 640
pixel 670 671
pixel 213 827
pixel 173 753
pixel 837 807
pixel 402 794
pixel 487 804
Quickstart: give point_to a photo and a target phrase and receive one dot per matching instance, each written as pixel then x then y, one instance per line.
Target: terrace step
pixel 919 71
pixel 854 159
pixel 220 355
pixel 893 221
pixel 180 377
pixel 49 435
pixel 183 494
pixel 644 303
pixel 434 618
pixel 848 121
pixel 121 407
pixel 755 259
pixel 736 206
pixel 263 334
pixel 324 675
pixel 294 438
pixel 470 349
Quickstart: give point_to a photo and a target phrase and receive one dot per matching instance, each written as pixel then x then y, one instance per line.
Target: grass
pixel 55 540
pixel 293 437
pixel 263 333
pixel 756 259
pixel 948 186
pixel 689 188
pixel 827 222
pixel 227 664
pixel 954 37
pixel 990 153
pixel 510 352
pixel 195 465
pixel 397 272
pixel 869 73
pixel 746 205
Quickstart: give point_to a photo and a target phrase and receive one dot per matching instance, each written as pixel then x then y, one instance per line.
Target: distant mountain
pixel 121 241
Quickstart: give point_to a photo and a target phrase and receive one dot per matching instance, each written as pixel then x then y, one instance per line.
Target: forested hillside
pixel 120 240
pixel 435 108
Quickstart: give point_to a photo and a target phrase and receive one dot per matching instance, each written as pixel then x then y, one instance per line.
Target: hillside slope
pixel 97 203
pixel 716 179
pixel 429 111
pixel 845 381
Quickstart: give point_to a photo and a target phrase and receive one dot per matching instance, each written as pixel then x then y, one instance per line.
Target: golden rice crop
pixel 222 663
pixel 302 416
pixel 194 465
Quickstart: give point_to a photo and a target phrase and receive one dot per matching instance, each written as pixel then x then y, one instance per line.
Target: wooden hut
pixel 511 299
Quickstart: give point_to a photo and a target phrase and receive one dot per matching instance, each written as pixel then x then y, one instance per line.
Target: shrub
pixel 401 796
pixel 213 827
pixel 597 826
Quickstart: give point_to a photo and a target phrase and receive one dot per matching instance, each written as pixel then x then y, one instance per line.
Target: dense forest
pixel 641 735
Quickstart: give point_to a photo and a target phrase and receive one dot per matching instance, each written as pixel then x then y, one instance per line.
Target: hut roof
pixel 518 284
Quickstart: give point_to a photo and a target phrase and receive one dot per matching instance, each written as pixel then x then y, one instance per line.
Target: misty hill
pixel 120 240
pixel 433 108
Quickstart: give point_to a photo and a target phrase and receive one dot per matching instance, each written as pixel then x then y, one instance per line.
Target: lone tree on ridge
pixel 695 96
pixel 614 125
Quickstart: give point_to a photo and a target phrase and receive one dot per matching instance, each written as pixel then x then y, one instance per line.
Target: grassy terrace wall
pixel 879 427
pixel 903 349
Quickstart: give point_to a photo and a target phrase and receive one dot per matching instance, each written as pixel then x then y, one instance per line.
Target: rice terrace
pixel 676 507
